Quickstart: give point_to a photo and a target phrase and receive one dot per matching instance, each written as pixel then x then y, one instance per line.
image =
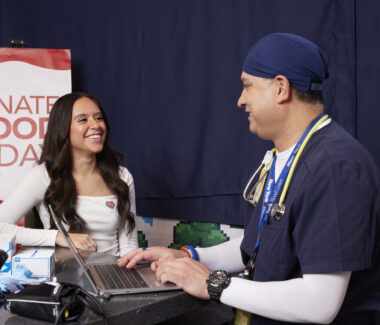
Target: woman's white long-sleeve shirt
pixel 100 214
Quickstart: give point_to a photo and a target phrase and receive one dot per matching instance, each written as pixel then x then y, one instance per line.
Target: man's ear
pixel 283 88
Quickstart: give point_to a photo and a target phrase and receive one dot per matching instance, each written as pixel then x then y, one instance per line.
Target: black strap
pixel 85 298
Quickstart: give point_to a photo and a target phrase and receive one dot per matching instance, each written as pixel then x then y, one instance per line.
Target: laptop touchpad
pixel 150 277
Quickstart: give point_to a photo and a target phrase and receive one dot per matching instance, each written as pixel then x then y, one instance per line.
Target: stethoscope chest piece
pixel 278 211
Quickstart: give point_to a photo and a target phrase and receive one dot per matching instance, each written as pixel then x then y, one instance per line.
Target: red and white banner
pixel 31 80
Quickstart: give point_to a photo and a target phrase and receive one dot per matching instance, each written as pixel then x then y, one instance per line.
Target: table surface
pixel 144 308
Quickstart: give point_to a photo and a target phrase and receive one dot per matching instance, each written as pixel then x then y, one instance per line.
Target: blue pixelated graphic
pixel 148 220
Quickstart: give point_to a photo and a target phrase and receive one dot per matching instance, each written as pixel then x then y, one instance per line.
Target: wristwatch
pixel 217 281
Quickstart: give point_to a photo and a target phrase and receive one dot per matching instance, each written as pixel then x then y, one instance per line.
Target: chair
pixel 32 219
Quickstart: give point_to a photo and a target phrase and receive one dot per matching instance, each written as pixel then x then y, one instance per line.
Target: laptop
pixel 108 279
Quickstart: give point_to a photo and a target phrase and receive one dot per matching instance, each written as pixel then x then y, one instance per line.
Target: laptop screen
pixel 71 245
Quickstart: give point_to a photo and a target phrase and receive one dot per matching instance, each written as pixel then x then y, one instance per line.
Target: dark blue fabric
pixel 330 222
pixel 168 74
pixel 298 59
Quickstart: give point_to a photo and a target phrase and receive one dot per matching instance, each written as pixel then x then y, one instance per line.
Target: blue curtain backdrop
pixel 168 74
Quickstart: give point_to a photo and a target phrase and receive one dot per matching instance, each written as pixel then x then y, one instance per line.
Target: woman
pixel 80 176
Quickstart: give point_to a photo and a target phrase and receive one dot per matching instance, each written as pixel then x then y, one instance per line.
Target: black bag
pixel 52 303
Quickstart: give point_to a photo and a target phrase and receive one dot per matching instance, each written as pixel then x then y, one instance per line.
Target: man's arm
pixel 315 298
pixel 226 256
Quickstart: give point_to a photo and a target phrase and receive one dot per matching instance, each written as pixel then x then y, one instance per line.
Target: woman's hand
pixel 186 273
pixel 80 241
pixel 150 254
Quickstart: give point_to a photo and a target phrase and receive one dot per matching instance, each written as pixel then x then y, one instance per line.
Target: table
pixel 145 308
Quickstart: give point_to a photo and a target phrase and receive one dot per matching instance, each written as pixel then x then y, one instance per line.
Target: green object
pixel 202 234
pixel 141 239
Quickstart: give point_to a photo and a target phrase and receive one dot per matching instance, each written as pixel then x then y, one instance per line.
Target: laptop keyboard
pixel 114 277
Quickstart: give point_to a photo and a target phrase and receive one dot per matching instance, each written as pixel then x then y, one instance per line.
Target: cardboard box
pixel 40 261
pixel 8 245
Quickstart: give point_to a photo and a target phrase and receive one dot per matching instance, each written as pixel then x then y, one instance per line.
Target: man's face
pixel 258 100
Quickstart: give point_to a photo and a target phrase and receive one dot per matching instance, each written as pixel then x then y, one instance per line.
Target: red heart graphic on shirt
pixel 110 204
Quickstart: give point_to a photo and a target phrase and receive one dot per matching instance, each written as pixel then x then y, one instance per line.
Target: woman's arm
pixel 127 242
pixel 27 194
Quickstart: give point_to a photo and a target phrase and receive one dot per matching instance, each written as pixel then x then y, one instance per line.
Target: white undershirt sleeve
pixel 224 256
pixel 315 298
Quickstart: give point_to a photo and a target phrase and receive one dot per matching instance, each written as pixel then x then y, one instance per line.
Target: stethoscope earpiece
pixel 254 194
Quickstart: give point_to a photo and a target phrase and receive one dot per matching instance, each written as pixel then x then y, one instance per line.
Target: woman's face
pixel 88 130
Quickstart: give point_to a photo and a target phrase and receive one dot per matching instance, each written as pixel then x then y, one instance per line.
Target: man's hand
pixel 188 274
pixel 81 241
pixel 150 254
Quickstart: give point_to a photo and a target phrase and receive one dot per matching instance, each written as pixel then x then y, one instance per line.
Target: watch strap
pixel 214 293
pixel 215 290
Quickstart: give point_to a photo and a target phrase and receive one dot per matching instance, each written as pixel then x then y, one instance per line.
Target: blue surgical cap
pixel 301 61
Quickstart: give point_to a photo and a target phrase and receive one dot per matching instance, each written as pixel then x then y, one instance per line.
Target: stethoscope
pixel 278 209
pixel 253 197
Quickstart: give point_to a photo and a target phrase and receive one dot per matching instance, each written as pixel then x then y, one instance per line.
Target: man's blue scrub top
pixel 329 224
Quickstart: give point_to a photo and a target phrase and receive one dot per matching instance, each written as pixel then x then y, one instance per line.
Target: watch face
pixel 218 277
pixel 217 282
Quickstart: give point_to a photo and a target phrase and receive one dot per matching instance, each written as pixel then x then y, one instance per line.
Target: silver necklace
pixel 100 189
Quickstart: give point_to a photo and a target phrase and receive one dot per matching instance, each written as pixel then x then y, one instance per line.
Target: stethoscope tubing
pixel 266 164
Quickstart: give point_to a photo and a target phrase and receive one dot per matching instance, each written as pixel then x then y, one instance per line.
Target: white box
pixel 40 261
pixel 8 245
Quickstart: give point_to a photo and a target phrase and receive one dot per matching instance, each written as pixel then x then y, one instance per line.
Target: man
pixel 310 251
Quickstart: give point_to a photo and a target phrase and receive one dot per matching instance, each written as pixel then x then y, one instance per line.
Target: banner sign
pixel 31 80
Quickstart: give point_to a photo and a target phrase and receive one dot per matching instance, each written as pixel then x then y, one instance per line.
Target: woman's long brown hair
pixel 56 154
